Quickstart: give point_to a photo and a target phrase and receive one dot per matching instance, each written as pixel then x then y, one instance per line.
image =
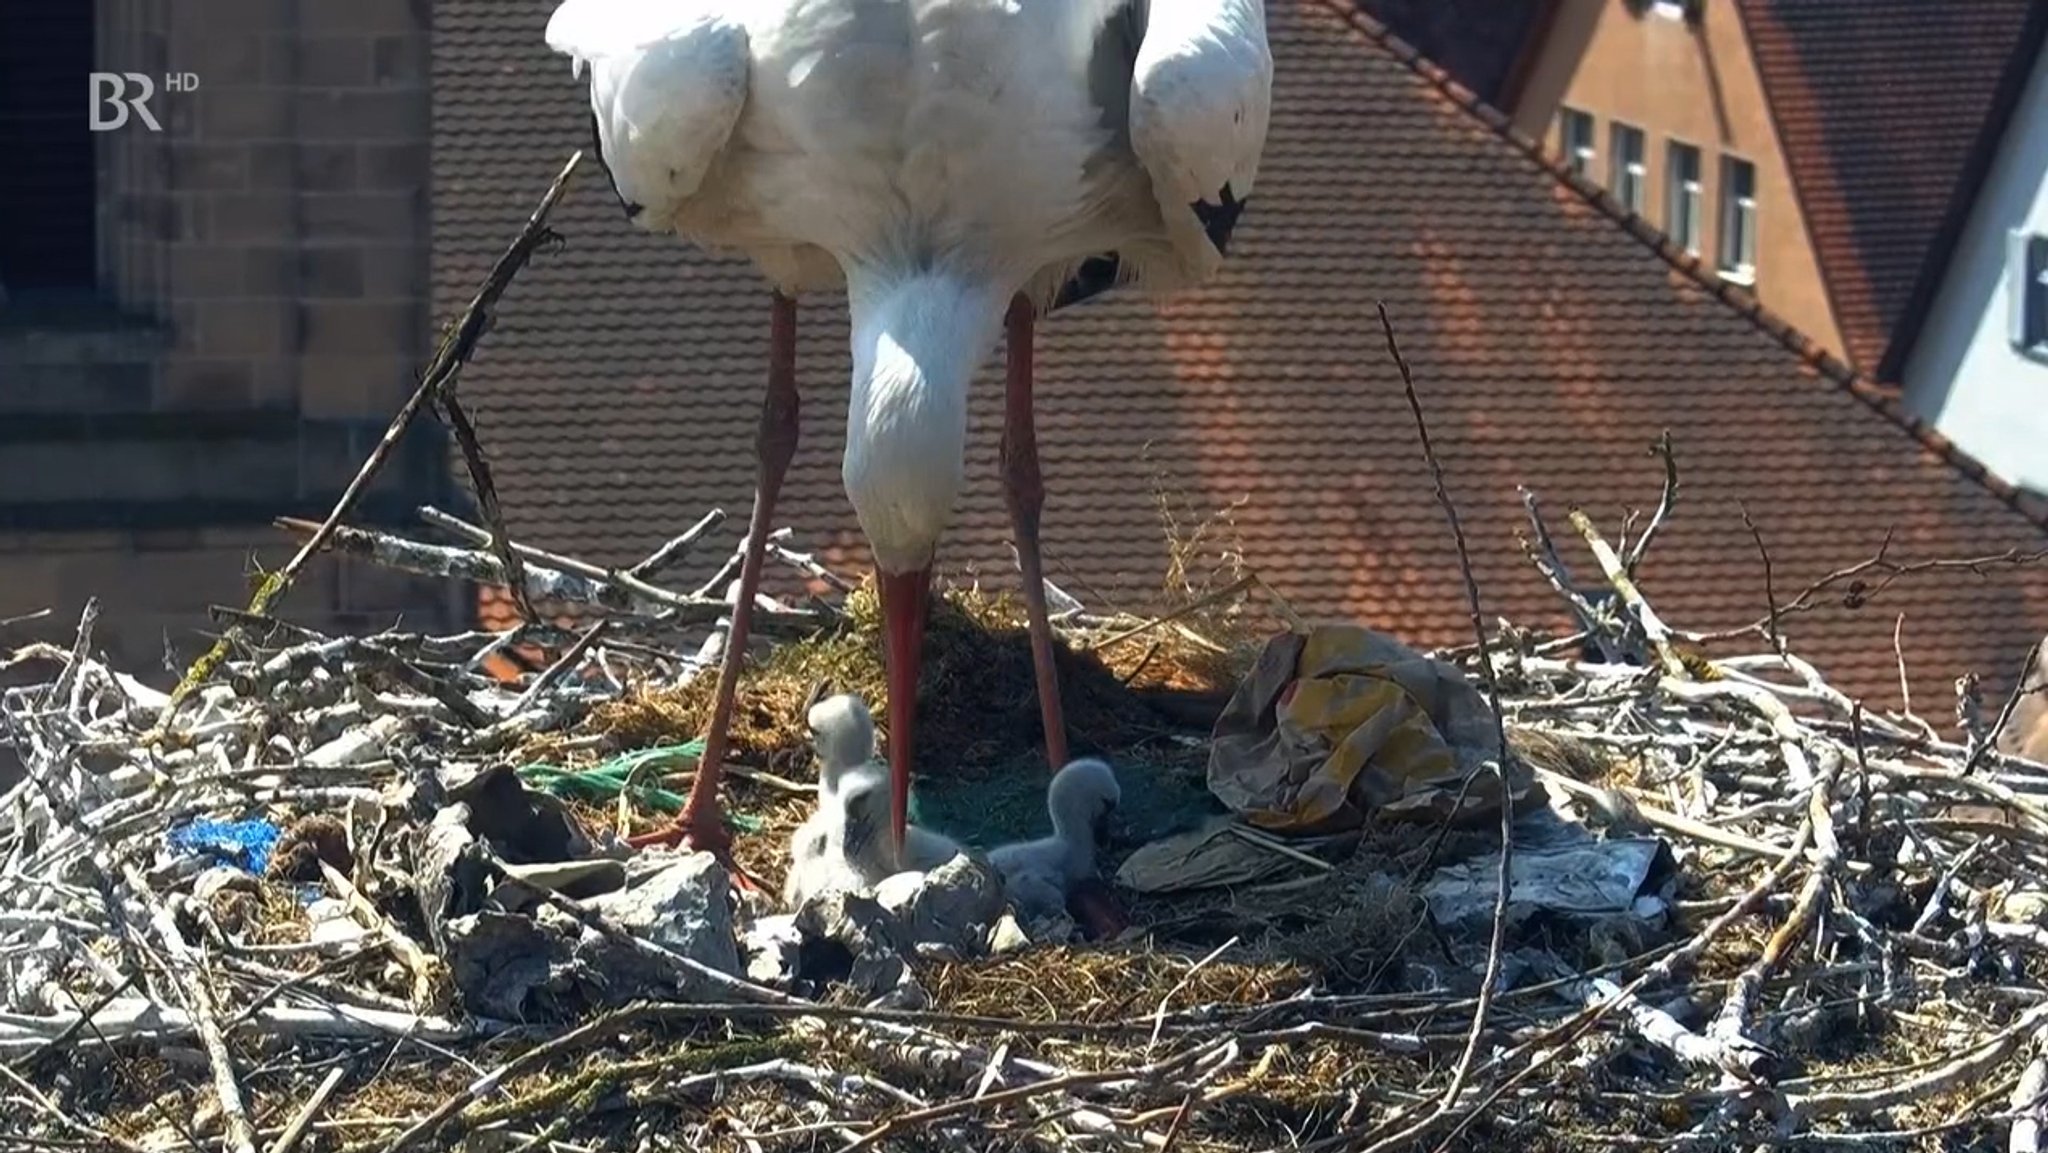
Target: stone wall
pixel 261 310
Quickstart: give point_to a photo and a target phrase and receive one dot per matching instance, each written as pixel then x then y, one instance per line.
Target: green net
pixel 1162 795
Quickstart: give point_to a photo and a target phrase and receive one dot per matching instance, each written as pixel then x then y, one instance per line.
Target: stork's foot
pixel 700 834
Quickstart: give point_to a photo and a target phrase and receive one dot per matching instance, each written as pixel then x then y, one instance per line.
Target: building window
pixel 1575 130
pixel 1682 210
pixel 48 199
pixel 1738 220
pixel 1628 175
pixel 1689 11
pixel 2026 271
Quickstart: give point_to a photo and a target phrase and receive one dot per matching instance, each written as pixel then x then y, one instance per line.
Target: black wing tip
pixel 1219 217
pixel 633 210
pixel 1097 275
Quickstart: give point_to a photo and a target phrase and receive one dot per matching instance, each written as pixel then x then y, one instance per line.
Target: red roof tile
pixel 1885 110
pixel 1551 344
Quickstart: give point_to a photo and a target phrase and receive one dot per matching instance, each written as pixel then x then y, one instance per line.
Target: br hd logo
pixel 115 94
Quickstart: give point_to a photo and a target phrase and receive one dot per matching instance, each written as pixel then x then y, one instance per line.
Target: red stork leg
pixel 702 823
pixel 1026 492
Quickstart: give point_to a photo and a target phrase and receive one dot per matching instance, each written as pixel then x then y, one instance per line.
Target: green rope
pixel 624 773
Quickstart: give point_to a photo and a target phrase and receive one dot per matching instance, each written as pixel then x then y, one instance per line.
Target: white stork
pixel 958 166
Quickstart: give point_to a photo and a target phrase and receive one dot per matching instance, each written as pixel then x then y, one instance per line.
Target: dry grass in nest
pixel 1351 928
pixel 1097 985
pixel 977 704
pixel 1567 755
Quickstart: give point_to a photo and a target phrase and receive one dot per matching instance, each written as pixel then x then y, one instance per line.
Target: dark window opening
pixel 48 198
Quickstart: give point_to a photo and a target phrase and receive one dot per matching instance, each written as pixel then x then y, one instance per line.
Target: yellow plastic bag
pixel 1343 721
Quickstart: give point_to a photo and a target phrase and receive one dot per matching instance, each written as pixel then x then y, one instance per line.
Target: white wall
pixel 1963 374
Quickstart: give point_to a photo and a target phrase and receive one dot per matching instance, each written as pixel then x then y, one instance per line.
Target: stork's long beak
pixel 906 599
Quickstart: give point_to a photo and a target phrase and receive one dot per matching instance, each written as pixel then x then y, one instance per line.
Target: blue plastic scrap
pixel 244 844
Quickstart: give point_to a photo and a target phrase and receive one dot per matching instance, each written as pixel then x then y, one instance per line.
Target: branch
pixel 1653 627
pixel 542 583
pixel 1507 808
pixel 1666 502
pixel 457 345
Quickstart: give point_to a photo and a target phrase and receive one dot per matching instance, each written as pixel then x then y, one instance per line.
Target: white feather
pixel 668 81
pixel 934 157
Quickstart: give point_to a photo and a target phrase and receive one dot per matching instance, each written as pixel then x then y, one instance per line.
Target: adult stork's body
pixel 957 166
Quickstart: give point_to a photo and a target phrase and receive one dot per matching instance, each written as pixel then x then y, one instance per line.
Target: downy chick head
pixel 843 733
pixel 1081 800
pixel 862 801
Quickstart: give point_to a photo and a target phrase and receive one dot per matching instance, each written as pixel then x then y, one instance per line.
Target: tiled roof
pixel 1551 344
pixel 1481 43
pixel 1888 111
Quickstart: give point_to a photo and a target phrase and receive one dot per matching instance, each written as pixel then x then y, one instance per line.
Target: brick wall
pixel 260 311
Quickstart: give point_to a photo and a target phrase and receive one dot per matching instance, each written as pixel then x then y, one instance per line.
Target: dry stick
pixel 561 668
pixel 1543 554
pixel 186 969
pixel 677 547
pixel 1507 806
pixel 1654 629
pixel 302 1121
pixel 1658 818
pixel 1666 501
pixel 1771 632
pixel 85 1017
pixel 64 1119
pixel 1750 1057
pixel 1971 1066
pixel 456 346
pixel 1194 606
pixel 1550 1044
pixel 638 597
pixel 499 540
pixel 1861 591
pixel 963 1105
pixel 2026 1133
pixel 1159 1017
pixel 2020 689
pixel 425 968
pixel 619 578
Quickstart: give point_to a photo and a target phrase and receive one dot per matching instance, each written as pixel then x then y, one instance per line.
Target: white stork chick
pixel 845 843
pixel 1039 875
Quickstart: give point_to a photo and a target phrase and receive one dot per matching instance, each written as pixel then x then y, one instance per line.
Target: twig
pixel 1654 630
pixel 2026 1102
pixel 1771 632
pixel 64 1119
pixel 561 668
pixel 426 969
pixel 302 1121
pixel 921 1117
pixel 457 345
pixel 191 980
pixel 1194 606
pixel 1862 591
pixel 1666 502
pixel 2020 688
pixel 678 546
pixel 1159 1016
pixel 1544 555
pixel 1498 938
pixel 542 583
pixel 498 539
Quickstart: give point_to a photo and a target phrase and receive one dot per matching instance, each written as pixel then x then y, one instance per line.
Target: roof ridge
pixel 2032 506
